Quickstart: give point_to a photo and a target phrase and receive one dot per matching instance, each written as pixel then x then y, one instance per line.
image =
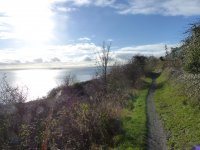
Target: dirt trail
pixel 156 135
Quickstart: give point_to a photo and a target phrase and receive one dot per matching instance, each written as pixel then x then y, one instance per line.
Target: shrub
pixel 11 95
pixel 12 109
pixel 69 80
pixel 117 80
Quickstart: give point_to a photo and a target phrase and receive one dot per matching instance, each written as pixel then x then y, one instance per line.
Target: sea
pixel 37 83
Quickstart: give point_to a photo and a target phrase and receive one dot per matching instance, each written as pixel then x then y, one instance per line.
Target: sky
pixel 70 32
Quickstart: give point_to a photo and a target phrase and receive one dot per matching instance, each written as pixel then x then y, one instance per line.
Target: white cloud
pixel 71 53
pixel 104 2
pixel 145 7
pixel 84 39
pixel 82 2
pixel 87 58
pixel 126 53
pixel 80 54
pixel 6 35
pixel 64 9
pixel 100 3
pixel 55 59
pixel 27 20
pixel 110 40
pixel 167 7
pixel 38 60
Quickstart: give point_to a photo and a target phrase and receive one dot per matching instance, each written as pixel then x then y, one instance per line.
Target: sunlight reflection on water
pixel 40 81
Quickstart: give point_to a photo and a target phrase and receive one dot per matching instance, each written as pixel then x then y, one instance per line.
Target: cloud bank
pixel 160 7
pixel 145 7
pixel 80 54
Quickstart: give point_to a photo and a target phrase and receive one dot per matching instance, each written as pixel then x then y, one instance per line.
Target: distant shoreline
pixel 48 68
pixel 46 65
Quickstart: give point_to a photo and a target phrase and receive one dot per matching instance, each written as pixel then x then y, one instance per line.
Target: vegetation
pixel 133 124
pixel 103 60
pixel 181 120
pixel 109 112
pixel 84 115
pixel 177 95
pixel 191 50
pixel 11 95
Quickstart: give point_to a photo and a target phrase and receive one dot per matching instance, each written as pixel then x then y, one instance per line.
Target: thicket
pixel 11 112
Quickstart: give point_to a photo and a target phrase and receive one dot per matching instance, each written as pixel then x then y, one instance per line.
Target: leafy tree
pixel 191 50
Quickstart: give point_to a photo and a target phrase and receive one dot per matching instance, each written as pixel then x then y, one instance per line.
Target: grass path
pixel 133 124
pixel 156 137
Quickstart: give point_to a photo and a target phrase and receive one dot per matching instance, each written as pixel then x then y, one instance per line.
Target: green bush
pixel 191 50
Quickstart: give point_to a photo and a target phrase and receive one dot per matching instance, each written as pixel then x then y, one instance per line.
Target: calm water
pixel 40 81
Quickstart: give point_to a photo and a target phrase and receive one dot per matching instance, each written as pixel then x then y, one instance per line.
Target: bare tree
pixel 70 79
pixel 11 95
pixel 166 51
pixel 103 57
pixel 12 111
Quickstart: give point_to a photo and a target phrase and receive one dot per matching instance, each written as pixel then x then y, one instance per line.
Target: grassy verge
pixel 133 124
pixel 181 120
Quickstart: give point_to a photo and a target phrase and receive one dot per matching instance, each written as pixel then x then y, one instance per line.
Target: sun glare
pixel 39 82
pixel 31 21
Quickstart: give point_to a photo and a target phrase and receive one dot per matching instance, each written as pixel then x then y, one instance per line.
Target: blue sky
pixel 69 32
